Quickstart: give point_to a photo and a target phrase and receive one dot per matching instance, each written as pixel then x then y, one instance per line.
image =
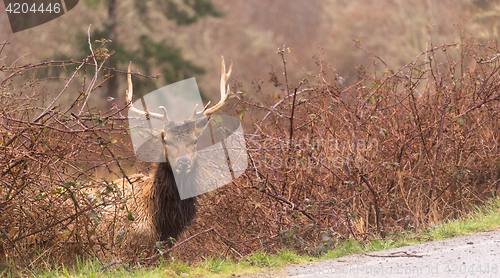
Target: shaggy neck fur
pixel 172 214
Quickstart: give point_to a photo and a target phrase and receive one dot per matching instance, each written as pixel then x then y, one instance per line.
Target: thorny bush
pixel 395 150
pixel 54 152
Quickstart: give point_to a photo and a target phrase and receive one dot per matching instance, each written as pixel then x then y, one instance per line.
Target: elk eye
pixel 196 140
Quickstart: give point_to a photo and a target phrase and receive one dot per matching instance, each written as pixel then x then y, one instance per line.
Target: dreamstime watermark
pixel 197 148
pixel 359 269
pixel 310 154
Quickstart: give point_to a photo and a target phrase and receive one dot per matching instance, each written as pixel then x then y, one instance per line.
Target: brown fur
pixel 155 203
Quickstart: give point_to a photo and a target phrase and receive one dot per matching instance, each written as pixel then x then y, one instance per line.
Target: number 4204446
pixel 17 8
pixel 464 268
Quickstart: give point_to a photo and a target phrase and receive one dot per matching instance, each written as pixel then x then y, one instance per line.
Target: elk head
pixel 179 139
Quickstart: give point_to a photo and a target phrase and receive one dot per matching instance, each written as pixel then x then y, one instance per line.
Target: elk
pixel 160 214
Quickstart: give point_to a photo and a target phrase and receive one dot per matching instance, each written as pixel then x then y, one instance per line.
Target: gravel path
pixel 476 255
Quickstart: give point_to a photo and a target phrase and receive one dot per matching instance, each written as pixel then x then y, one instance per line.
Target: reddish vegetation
pixel 397 150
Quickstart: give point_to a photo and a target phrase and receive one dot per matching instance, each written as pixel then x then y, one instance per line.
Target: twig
pixel 395 255
pixel 112 263
pixel 375 202
pixel 279 103
pixel 177 245
pixel 62 91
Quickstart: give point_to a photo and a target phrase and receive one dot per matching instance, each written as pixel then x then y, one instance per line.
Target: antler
pixel 137 111
pixel 224 94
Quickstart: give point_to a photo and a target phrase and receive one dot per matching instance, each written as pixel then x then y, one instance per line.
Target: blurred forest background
pixel 189 41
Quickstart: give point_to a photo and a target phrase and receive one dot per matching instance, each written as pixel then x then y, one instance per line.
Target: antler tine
pixel 165 116
pixel 202 112
pixel 135 110
pixel 194 112
pixel 224 93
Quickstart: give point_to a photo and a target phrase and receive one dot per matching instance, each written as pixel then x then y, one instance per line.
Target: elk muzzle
pixel 184 163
